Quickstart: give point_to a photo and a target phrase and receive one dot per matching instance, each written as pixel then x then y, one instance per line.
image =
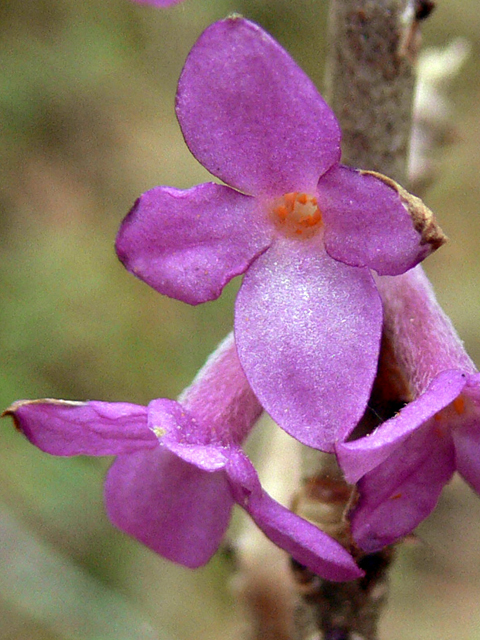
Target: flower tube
pixel 404 464
pixel 180 467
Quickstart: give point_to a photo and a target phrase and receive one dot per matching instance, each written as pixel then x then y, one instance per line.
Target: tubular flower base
pixel 180 468
pixel 303 229
pixel 404 464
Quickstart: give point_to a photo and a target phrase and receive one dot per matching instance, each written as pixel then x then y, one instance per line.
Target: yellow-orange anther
pixel 297 213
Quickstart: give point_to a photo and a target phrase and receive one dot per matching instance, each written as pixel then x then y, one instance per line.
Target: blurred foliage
pixel 86 106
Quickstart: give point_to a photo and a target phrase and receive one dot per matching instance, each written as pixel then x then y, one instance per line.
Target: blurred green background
pixel 87 119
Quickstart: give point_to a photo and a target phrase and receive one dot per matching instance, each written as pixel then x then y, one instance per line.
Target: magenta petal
pixel 221 398
pixel 181 433
pixel 361 456
pixel 205 457
pixel 401 492
pixel 171 506
pixel 366 223
pixel 65 428
pixel 467 452
pixel 168 419
pixel 302 540
pixel 466 436
pixel 308 331
pixel 189 244
pixel 251 116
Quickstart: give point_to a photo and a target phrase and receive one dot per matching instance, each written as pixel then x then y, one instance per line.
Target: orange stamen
pixel 298 214
pixel 302 198
pixel 290 198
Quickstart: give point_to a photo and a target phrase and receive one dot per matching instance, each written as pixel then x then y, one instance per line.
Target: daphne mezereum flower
pixel 405 462
pixel 305 231
pixel 180 467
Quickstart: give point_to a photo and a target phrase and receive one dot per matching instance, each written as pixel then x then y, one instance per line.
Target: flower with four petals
pixel 180 467
pixel 305 230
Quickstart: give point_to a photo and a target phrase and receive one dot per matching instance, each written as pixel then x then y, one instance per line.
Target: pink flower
pixel 404 464
pixel 180 467
pixel 304 230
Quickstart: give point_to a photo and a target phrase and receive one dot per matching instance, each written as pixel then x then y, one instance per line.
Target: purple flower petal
pixel 466 435
pixel 361 456
pixel 65 428
pixel 168 419
pixel 418 450
pixel 401 492
pixel 302 540
pixel 168 504
pixel 423 337
pixel 221 398
pixel 251 116
pixel 189 244
pixel 205 457
pixel 308 331
pixel 467 451
pixel 366 223
pixel 185 436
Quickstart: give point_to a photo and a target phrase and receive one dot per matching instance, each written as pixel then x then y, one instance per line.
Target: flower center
pixel 297 214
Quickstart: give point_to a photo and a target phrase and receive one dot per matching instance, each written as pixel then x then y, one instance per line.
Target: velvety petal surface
pixel 466 436
pixel 423 336
pixel 302 540
pixel 308 331
pixel 401 492
pixel 189 244
pixel 361 456
pixel 366 223
pixel 251 116
pixel 221 398
pixel 467 452
pixel 184 435
pixel 168 504
pixel 65 428
pixel 169 419
pixel 205 457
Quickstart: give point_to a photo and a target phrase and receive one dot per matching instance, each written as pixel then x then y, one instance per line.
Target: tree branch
pixel 370 85
pixel 370 80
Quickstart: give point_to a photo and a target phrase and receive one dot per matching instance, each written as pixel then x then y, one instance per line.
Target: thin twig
pixel 370 80
pixel 370 84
